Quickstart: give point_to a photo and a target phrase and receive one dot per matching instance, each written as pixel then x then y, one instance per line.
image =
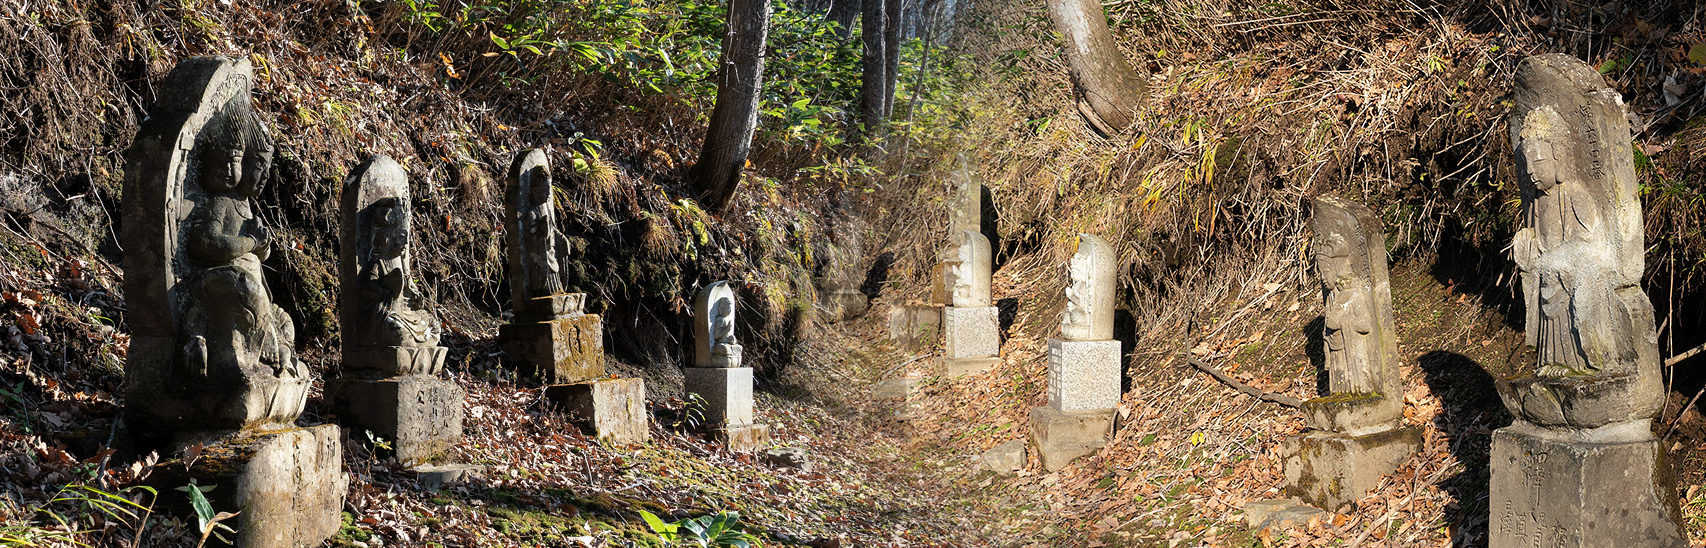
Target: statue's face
pixel 388 219
pixel 1332 260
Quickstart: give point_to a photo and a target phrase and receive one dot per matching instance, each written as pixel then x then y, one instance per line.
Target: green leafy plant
pixel 207 521
pixel 114 506
pixel 722 529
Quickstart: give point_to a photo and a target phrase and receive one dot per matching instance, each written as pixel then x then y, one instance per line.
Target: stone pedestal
pixel 288 486
pixel 613 410
pixel 845 303
pixel 560 351
pixel 970 332
pixel 1608 486
pixel 421 416
pixel 1063 436
pixel 915 327
pixel 1083 375
pixel 1330 469
pixel 727 392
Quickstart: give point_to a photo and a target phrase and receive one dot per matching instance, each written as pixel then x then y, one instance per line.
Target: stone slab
pixel 796 458
pixel 1003 459
pixel 745 439
pixel 965 366
pixel 844 304
pixel 1061 437
pixel 613 410
pixel 915 327
pixel 421 416
pixel 727 392
pixel 1083 375
pixel 971 332
pixel 1330 469
pixel 288 486
pixel 1353 412
pixel 1609 486
pixel 551 307
pixel 894 389
pixel 434 476
pixel 1280 514
pixel 562 351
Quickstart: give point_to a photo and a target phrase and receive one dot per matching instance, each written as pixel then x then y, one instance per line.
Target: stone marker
pixel 1354 437
pixel 915 326
pixel 552 336
pixel 1084 364
pixel 971 327
pixel 1280 514
pixel 838 284
pixel 212 359
pixel 796 458
pixel 965 204
pixel 391 358
pixel 1580 466
pixel 717 375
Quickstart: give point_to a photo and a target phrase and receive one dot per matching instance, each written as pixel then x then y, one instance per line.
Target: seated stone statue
pixel 392 311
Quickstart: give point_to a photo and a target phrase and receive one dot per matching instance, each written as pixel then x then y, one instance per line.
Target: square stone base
pixel 1330 469
pixel 1609 486
pixel 727 392
pixel 288 486
pixel 1061 437
pixel 561 351
pixel 971 332
pixel 614 410
pixel 965 366
pixel 745 439
pixel 421 416
pixel 915 327
pixel 1083 375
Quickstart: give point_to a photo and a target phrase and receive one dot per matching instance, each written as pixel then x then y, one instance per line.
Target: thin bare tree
pixel 1108 89
pixel 739 82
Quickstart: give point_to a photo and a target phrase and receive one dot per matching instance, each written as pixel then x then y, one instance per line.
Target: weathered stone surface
pixel 744 439
pixel 965 205
pixel 288 486
pixel 613 410
pixel 209 350
pixel 1062 436
pixel 788 457
pixel 894 389
pixel 727 392
pixel 971 332
pixel 915 326
pixel 1004 459
pixel 950 367
pixel 1609 486
pixel 1580 249
pixel 434 476
pixel 1279 514
pixel 714 343
pixel 421 416
pixel 845 303
pixel 536 247
pixel 1331 469
pixel 380 310
pixel 1083 375
pixel 550 307
pixel 1090 299
pixel 966 264
pixel 1365 390
pixel 939 292
pixel 562 351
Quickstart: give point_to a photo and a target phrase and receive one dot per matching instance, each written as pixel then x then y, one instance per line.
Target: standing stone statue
pixel 717 375
pixel 1354 437
pixel 212 359
pixel 391 358
pixel 1084 363
pixel 1580 465
pixel 971 326
pixel 552 337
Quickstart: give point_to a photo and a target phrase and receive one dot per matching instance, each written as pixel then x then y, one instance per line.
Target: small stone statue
pixel 382 310
pixel 1090 291
pixel 966 269
pixel 1365 390
pixel 539 248
pixel 714 331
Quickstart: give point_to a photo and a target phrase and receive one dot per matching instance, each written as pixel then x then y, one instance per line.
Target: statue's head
pixel 1539 142
pixel 235 150
pixel 1333 260
pixel 390 217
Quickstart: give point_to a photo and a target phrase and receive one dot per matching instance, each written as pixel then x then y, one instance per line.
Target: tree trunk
pixel 1108 89
pixel 891 53
pixel 739 80
pixel 844 12
pixel 874 76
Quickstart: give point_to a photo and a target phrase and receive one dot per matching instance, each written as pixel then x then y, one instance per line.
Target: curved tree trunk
pixel 1108 89
pixel 873 78
pixel 739 80
pixel 844 12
